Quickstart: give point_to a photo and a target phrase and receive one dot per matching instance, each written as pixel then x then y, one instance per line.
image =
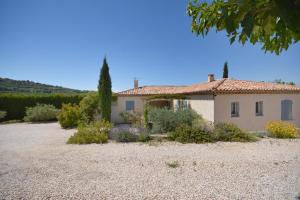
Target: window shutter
pixel 286 110
pixel 256 107
pixel 289 110
pixel 282 110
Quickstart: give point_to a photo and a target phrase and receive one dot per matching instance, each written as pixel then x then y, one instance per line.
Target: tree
pixel 273 23
pixel 105 93
pixel 225 70
pixel 280 81
pixel 89 107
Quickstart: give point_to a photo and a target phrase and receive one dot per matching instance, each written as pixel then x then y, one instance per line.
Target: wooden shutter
pixel 286 110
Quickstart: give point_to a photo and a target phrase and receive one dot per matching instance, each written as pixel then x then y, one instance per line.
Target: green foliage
pixel 96 132
pixel 229 132
pixel 164 120
pixel 146 115
pixel 15 104
pixel 198 134
pixel 103 125
pixel 10 85
pixel 41 112
pixel 225 70
pixel 69 116
pixel 105 93
pixel 133 118
pixel 275 24
pixel 2 114
pixel 173 164
pixel 279 81
pixel 144 137
pixel 188 134
pixel 89 107
pixel 281 129
pixel 126 136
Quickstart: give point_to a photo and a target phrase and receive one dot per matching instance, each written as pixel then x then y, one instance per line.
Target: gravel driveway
pixel 35 163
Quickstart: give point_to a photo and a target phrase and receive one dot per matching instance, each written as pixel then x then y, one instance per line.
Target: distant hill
pixel 14 86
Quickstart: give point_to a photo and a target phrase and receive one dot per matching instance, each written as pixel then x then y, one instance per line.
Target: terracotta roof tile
pixel 230 85
pixel 218 86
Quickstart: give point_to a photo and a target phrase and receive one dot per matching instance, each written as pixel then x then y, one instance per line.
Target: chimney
pixel 211 78
pixel 136 83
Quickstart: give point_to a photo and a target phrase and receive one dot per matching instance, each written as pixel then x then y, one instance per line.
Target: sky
pixel 63 42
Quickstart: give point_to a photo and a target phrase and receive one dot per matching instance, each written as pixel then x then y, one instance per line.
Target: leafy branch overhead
pixel 273 23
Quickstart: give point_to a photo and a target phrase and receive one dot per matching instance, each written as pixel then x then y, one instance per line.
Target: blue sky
pixel 63 42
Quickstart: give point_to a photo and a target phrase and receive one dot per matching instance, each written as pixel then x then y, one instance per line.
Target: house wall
pixel 120 106
pixel 247 119
pixel 203 105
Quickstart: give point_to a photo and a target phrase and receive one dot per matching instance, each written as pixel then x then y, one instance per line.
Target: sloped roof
pixel 222 86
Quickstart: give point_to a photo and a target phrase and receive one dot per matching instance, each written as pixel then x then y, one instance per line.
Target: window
pixel 235 109
pixel 286 110
pixel 259 108
pixel 182 104
pixel 129 105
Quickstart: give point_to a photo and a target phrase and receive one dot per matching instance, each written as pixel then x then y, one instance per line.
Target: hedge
pixel 15 104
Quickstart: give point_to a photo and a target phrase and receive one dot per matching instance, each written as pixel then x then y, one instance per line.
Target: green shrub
pixel 2 114
pixel 173 164
pixel 133 118
pixel 103 125
pixel 125 136
pixel 165 120
pixel 41 112
pixel 280 129
pixel 144 137
pixel 90 133
pixel 69 116
pixel 89 107
pixel 15 104
pixel 188 134
pixel 229 132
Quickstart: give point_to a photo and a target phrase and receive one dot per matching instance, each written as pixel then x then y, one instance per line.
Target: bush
pixel 133 118
pixel 15 104
pixel 280 129
pixel 188 134
pixel 90 133
pixel 41 112
pixel 229 132
pixel 69 116
pixel 165 120
pixel 2 114
pixel 173 164
pixel 125 136
pixel 89 107
pixel 144 137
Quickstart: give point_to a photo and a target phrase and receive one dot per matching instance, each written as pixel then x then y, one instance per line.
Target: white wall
pixel 203 105
pixel 120 106
pixel 248 119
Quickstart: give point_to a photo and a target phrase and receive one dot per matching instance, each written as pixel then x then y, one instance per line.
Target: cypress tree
pixel 105 93
pixel 225 70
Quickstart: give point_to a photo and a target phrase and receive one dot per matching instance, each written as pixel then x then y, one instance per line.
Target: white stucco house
pixel 248 104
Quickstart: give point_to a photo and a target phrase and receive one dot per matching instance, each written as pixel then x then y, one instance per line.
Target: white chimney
pixel 136 84
pixel 211 78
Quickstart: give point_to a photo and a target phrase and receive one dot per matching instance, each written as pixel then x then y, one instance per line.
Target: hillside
pixel 15 86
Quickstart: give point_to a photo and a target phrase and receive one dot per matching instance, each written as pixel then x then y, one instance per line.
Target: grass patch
pixel 173 164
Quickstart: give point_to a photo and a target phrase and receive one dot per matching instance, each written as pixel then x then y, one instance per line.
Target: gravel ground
pixel 35 163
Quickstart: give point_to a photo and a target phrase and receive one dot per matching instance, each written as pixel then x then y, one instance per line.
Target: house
pixel 248 104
